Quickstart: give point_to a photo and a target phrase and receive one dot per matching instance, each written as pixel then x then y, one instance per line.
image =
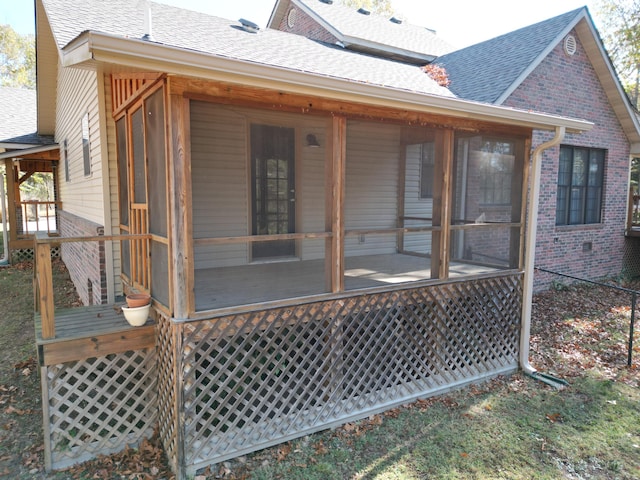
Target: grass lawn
pixel 508 428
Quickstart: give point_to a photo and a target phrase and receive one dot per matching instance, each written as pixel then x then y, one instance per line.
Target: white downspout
pixel 530 249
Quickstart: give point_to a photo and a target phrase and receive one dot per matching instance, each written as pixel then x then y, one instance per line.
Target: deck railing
pixel 38 216
pixel 43 275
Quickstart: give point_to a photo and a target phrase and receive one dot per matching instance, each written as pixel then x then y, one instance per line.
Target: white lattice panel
pixel 98 405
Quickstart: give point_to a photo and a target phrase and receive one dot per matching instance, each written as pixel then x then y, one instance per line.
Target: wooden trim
pixel 259 238
pixel 61 351
pixel 442 200
pixel 526 167
pixel 234 94
pixel 127 88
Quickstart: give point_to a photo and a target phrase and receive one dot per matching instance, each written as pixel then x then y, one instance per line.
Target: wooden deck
pixel 262 282
pixel 87 332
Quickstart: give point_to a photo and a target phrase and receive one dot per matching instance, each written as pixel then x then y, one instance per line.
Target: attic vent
pixel 328 2
pixel 291 18
pixel 570 45
pixel 395 20
pixel 364 11
pixel 248 26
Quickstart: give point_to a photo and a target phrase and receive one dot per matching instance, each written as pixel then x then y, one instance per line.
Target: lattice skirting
pixel 26 254
pixel 253 380
pixel 631 263
pixel 98 406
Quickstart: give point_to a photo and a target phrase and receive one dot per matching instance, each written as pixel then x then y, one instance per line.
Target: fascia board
pixel 633 120
pixel 144 55
pixel 28 151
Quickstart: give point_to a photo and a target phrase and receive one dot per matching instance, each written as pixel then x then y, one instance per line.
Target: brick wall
pixel 568 86
pixel 84 260
pixel 306 26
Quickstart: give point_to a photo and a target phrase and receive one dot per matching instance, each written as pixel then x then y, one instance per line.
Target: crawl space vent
pixel 570 45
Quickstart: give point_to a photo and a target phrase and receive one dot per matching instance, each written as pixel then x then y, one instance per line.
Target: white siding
pixel 78 94
pixel 220 179
pixel 414 206
pixel 371 186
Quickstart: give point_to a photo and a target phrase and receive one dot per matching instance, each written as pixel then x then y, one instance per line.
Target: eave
pixel 92 47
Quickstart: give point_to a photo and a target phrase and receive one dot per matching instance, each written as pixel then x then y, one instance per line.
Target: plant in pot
pixel 137 310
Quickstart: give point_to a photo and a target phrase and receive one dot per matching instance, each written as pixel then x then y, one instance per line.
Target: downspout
pixel 529 262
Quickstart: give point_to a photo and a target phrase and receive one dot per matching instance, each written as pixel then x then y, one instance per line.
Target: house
pixel 558 66
pixel 23 152
pixel 304 214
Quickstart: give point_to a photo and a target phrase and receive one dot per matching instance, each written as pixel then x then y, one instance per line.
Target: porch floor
pixel 261 282
pixel 85 332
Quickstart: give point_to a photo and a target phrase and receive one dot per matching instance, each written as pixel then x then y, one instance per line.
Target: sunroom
pixel 311 265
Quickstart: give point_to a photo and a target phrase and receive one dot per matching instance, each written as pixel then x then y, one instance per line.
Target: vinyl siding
pixel 78 94
pixel 371 186
pixel 220 179
pixel 414 206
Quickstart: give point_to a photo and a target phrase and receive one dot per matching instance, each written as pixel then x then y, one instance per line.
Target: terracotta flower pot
pixel 138 300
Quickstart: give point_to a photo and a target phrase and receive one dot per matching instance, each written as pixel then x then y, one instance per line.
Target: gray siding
pixel 371 186
pixel 221 176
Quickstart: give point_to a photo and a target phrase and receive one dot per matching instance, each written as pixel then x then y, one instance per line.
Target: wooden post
pixel 11 201
pixel 442 200
pixel 181 244
pixel 44 282
pixel 334 258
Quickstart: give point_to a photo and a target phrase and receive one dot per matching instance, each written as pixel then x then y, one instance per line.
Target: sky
pixel 480 21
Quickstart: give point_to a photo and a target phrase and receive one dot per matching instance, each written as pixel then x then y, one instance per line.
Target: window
pixel 496 171
pixel 427 163
pixel 86 147
pixel 65 156
pixel 580 180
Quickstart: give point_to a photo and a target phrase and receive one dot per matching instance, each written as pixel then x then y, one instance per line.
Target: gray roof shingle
pixel 378 29
pixel 219 37
pixel 19 117
pixel 483 72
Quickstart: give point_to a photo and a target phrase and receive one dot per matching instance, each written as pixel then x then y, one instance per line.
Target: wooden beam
pixel 138 338
pixel 334 257
pixel 12 201
pixel 233 94
pixel 179 187
pixel 442 199
pixel 44 289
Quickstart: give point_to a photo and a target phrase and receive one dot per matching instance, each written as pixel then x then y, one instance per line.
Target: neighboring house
pixel 24 150
pixel 558 66
pixel 307 216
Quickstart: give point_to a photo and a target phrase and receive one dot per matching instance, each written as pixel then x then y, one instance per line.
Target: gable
pixel 485 72
pixel 359 30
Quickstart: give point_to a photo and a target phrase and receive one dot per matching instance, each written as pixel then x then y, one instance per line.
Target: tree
pixel 17 59
pixel 381 7
pixel 621 35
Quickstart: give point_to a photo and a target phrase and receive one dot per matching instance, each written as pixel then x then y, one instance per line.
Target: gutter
pixel 529 262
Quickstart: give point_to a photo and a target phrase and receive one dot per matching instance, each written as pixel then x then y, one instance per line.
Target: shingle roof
pixel 485 71
pixel 378 29
pixel 18 121
pixel 215 36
